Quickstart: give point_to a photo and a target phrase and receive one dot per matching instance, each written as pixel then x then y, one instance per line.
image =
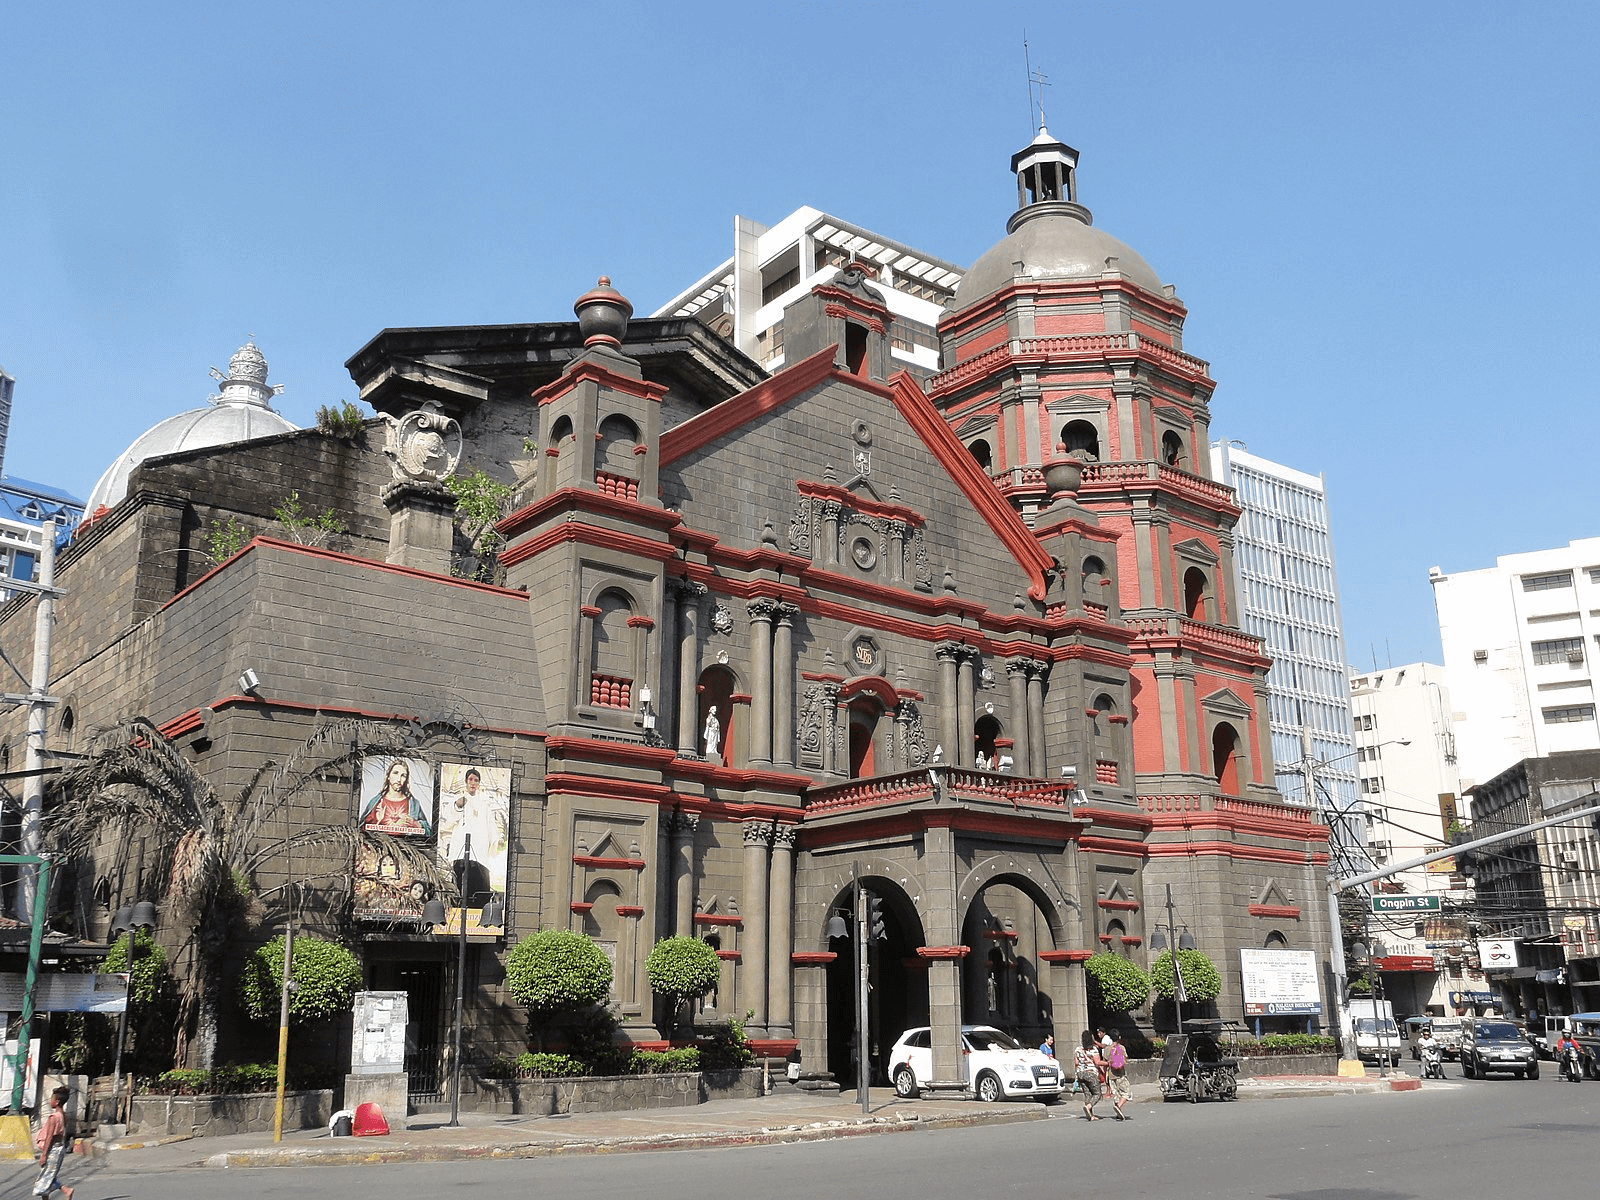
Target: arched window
pixel 1225 758
pixel 855 348
pixel 985 456
pixel 984 734
pixel 560 454
pixel 618 437
pixel 716 692
pixel 864 714
pixel 612 655
pixel 1195 586
pixel 1115 932
pixel 1172 449
pixel 1082 439
pixel 1107 758
pixel 1276 941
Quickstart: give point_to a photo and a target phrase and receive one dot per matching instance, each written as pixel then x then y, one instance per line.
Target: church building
pixel 972 635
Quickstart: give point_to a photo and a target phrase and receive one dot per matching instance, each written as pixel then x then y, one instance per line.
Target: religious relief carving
pixel 913 737
pixel 811 725
pixel 722 619
pixel 800 527
pixel 922 569
pixel 424 446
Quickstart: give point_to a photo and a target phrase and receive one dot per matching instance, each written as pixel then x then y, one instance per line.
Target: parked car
pixel 1446 1031
pixel 993 1064
pixel 1495 1044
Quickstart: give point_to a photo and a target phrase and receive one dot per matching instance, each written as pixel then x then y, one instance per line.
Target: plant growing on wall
pixel 325 977
pixel 682 969
pixel 481 500
pixel 1115 984
pixel 149 965
pixel 136 782
pixel 225 539
pixel 343 420
pixel 556 972
pixel 1201 980
pixel 308 529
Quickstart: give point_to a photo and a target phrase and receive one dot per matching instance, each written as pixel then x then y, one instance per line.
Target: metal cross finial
pixel 1037 81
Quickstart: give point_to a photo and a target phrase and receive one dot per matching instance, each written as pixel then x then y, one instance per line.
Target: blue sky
pixel 1381 217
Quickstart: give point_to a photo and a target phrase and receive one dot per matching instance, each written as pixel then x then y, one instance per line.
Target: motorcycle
pixel 1432 1062
pixel 1571 1065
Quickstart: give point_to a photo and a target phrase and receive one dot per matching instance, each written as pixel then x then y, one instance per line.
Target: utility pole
pixel 39 703
pixel 1341 982
pixel 863 1058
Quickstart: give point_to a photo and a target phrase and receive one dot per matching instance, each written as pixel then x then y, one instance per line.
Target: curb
pixel 820 1131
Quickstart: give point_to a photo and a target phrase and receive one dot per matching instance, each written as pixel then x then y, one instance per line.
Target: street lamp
pixel 434 913
pixel 1159 941
pixel 130 919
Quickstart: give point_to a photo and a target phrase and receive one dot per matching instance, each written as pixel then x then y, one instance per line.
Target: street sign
pixel 1405 904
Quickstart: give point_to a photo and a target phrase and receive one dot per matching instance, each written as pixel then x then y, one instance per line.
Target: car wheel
pixel 1533 1072
pixel 1466 1067
pixel 988 1088
pixel 905 1084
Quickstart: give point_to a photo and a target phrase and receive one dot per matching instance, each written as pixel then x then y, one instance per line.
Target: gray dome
pixel 240 413
pixel 1052 241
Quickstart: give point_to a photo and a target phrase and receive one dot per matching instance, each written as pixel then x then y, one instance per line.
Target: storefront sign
pixel 1280 983
pixel 1405 962
pixel 1497 954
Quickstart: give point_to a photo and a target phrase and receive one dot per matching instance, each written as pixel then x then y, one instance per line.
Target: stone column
pixel 897 551
pixel 1018 670
pixel 421 525
pixel 830 729
pixel 966 694
pixel 761 611
pixel 1037 763
pixel 683 831
pixel 949 702
pixel 689 597
pixel 753 943
pixel 830 531
pixel 783 733
pixel 780 919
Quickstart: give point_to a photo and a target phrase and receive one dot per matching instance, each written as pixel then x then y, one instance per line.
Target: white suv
pixel 993 1064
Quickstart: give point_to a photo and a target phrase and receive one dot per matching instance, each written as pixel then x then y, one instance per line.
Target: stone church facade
pixel 976 639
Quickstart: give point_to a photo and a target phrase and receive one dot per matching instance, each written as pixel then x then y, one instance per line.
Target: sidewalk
pixel 780 1118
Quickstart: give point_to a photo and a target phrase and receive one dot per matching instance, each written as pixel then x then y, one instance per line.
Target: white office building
pixel 743 299
pixel 1519 639
pixel 1289 595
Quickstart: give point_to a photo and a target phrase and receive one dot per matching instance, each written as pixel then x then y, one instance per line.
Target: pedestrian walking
pixel 52 1144
pixel 1086 1066
pixel 1117 1072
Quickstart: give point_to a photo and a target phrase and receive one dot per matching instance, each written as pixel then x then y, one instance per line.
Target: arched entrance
pixel 716 692
pixel 1005 928
pixel 898 999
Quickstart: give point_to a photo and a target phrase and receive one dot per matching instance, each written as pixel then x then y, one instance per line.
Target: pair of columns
pixel 958 666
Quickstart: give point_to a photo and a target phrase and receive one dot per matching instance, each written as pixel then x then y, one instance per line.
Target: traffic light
pixel 877 930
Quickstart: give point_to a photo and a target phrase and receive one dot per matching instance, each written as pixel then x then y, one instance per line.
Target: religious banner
pixel 475 803
pixel 397 796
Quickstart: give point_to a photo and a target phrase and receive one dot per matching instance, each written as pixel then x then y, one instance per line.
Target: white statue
pixel 713 735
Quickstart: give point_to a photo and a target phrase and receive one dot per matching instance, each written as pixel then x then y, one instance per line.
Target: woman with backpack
pixel 1117 1069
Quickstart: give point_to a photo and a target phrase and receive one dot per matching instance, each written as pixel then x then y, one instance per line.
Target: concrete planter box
pixel 248 1112
pixel 614 1093
pixel 1148 1070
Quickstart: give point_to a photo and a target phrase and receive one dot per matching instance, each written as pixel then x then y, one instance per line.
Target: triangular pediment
pixel 1273 895
pixel 1196 551
pixel 1226 700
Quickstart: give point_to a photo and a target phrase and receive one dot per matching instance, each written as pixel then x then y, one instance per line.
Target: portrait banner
pixel 396 796
pixel 475 803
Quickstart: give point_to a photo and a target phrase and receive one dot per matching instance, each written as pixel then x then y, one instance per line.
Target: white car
pixel 993 1064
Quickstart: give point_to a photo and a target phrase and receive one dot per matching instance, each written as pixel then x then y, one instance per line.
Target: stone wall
pixel 544 1097
pixel 217 1116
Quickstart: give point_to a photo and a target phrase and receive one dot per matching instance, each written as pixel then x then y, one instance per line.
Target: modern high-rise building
pixel 8 386
pixel 1289 597
pixel 1519 638
pixel 743 299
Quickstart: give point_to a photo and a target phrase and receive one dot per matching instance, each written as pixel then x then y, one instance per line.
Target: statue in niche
pixel 713 736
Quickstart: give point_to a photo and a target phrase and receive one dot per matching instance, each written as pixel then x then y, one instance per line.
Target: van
pixel 1377 1036
pixel 1446 1031
pixel 1545 1039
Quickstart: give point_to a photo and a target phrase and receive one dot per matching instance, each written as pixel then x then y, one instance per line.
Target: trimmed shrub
pixel 682 968
pixel 1201 980
pixel 1115 984
pixel 556 971
pixel 325 974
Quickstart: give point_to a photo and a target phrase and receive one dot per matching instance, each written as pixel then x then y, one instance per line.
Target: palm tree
pixel 137 782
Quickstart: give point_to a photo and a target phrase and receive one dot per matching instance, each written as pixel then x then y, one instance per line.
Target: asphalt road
pixel 1464 1140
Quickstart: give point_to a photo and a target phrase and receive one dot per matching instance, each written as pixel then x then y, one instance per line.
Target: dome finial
pixel 246 380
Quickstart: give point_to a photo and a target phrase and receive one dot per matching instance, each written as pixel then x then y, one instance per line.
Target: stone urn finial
pixel 1063 474
pixel 603 314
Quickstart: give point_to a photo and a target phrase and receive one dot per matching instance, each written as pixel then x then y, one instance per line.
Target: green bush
pixel 664 1062
pixel 232 1079
pixel 725 1047
pixel 326 977
pixel 149 965
pixel 1201 980
pixel 1115 984
pixel 557 971
pixel 682 968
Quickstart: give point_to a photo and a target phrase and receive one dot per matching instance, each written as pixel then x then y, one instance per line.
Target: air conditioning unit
pixel 1574 656
pixel 1479 656
pixel 1569 858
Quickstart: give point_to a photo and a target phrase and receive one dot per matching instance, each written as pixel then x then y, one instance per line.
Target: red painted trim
pixel 812 958
pixel 943 952
pixel 1127 941
pixel 589 610
pixel 630 910
pixel 641 622
pixel 595 750
pixel 724 418
pixel 1110 818
pixel 350 559
pixel 1121 846
pixel 1063 956
pixel 717 919
pixel 181 724
pixel 591 371
pixel 566 783
pixel 814 677
pixel 875 685
pixel 1235 850
pixel 1292 911
pixel 1123 905
pixel 741 778
pixel 581 906
pixel 773 1047
pixel 729 955
pixel 605 864
pixel 1044 827
pixel 591 535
